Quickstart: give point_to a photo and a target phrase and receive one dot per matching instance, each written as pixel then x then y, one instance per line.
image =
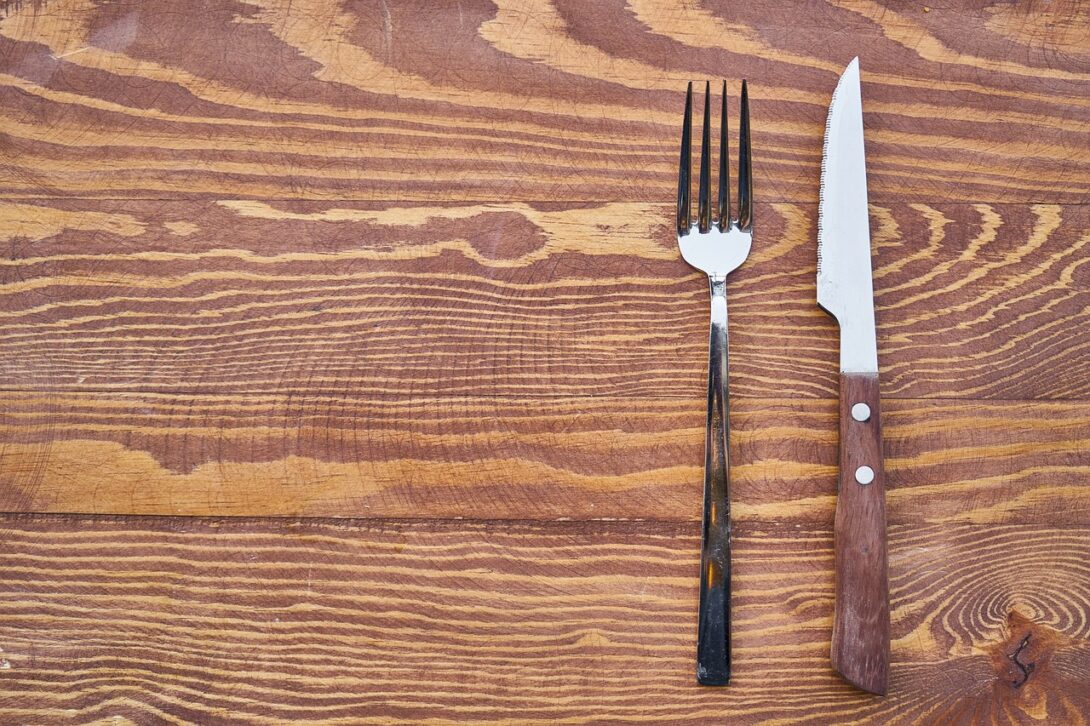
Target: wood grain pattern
pixel 359 300
pixel 518 100
pixel 860 639
pixel 981 462
pixel 411 262
pixel 250 621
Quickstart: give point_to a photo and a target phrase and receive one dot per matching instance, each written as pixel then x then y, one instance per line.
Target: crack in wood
pixel 1026 668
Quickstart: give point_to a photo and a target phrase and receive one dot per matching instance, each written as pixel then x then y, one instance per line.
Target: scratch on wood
pixel 71 52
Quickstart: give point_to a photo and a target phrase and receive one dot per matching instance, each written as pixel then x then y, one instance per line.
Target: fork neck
pixel 718 287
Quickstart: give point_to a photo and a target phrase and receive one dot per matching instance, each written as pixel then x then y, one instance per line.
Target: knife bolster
pixel 860 647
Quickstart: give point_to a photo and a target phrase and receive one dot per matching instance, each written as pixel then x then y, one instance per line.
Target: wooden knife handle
pixel 860 650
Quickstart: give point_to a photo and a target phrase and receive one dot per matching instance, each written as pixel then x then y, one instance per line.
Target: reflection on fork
pixel 716 244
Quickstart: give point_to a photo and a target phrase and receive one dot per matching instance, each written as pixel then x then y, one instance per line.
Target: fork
pixel 716 245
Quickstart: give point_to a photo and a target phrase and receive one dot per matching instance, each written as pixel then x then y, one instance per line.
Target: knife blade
pixel 860 644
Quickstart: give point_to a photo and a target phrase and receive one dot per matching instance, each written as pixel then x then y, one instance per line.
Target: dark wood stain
pixel 860 650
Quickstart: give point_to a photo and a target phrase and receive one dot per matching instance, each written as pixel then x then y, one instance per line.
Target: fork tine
pixel 683 182
pixel 722 205
pixel 705 203
pixel 745 175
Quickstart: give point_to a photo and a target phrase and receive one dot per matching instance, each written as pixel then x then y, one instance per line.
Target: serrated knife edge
pixel 825 156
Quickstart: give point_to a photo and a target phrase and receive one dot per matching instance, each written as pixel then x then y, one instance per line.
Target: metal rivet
pixel 864 475
pixel 861 412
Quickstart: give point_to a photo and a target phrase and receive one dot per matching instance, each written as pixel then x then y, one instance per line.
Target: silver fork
pixel 716 246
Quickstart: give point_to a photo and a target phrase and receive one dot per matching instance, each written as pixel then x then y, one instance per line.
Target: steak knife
pixel 860 649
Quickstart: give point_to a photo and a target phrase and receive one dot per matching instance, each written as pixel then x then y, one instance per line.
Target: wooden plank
pixel 516 100
pixel 251 621
pixel 577 458
pixel 360 300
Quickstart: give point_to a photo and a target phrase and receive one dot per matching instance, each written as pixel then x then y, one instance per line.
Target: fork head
pixel 715 243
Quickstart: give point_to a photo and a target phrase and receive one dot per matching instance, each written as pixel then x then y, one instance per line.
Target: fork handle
pixel 860 649
pixel 713 637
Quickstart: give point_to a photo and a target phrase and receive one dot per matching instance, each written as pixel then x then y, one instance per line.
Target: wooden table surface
pixel 349 372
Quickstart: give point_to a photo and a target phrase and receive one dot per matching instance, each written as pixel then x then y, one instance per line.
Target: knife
pixel 860 650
